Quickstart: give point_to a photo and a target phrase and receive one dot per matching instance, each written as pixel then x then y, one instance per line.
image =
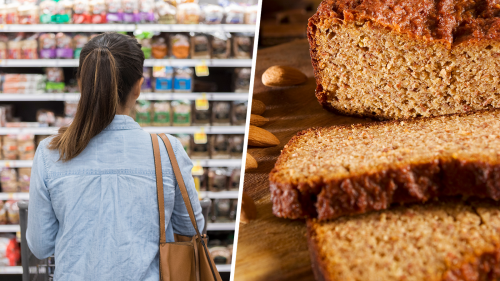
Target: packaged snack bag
pixel 3 50
pixel 55 80
pixel 200 47
pixel 199 149
pixel 159 48
pixel 219 146
pixel 146 12
pixel 188 13
pixel 183 81
pixel 201 114
pixel 12 211
pixel 98 11
pixel 163 79
pixel 242 80
pixel 79 41
pixel 63 12
pixel 235 14
pixel 212 14
pixel 180 46
pixel 143 112
pixel 131 11
pixel 251 14
pixel 161 114
pixel 147 84
pixel 26 146
pixel 221 48
pixel 217 179
pixel 239 112
pixel 9 147
pixel 181 113
pixel 8 179
pixel 27 14
pixel 236 143
pixel 29 48
pixel 115 11
pixel 81 12
pixel 64 46
pixel 48 9
pixel 24 175
pixel 47 43
pixel 242 46
pixel 14 49
pixel 166 12
pixel 221 113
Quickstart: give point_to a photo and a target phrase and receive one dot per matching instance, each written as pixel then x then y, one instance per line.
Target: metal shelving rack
pixel 229 226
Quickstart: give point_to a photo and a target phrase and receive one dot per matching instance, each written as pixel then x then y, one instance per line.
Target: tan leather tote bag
pixel 186 259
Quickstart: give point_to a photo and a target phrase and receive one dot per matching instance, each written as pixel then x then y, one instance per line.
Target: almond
pixel 258 107
pixel 258 120
pixel 282 76
pixel 261 138
pixel 248 209
pixel 250 163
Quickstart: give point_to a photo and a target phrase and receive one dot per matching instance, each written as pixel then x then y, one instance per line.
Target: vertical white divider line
pixel 245 144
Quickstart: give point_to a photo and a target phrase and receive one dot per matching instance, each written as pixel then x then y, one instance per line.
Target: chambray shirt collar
pixel 123 122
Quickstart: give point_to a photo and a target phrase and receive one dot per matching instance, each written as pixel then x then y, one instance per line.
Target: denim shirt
pixel 98 213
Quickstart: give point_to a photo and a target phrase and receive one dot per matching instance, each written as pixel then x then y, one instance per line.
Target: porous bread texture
pixel 345 170
pixel 438 241
pixel 398 59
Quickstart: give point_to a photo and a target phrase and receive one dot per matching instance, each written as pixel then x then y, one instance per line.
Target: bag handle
pixel 185 195
pixel 159 187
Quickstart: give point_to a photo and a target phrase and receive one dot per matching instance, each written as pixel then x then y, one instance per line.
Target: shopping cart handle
pixel 22 204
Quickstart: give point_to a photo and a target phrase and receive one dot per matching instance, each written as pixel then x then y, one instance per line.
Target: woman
pixel 93 192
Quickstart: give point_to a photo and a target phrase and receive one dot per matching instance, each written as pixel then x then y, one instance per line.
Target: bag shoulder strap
pixel 180 181
pixel 159 187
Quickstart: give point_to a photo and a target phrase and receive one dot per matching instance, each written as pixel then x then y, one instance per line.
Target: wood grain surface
pixel 270 248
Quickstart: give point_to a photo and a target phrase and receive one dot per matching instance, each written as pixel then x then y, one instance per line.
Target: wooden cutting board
pixel 270 248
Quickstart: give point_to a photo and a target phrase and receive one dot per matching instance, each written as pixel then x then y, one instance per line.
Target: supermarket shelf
pixel 127 27
pixel 143 96
pixel 214 195
pixel 148 62
pixel 10 228
pixel 19 269
pixel 223 267
pixel 167 130
pixel 201 162
pixel 14 196
pixel 220 226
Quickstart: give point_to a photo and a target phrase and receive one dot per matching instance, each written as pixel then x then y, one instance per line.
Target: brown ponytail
pixel 110 65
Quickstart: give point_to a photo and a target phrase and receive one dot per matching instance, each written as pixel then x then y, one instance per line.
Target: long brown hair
pixel 110 65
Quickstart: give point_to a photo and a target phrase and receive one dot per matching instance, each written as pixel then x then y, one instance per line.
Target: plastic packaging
pixel 235 14
pixel 143 112
pixel 242 80
pixel 64 46
pixel 166 13
pixel 79 41
pixel 55 80
pixel 251 14
pixel 188 13
pixel 26 146
pixel 159 48
pixel 63 12
pixel 115 11
pixel 161 113
pixel 219 147
pixel 48 9
pixel 81 12
pixel 98 11
pixel 148 80
pixel 47 43
pixel 27 14
pixel 8 179
pixel 180 46
pixel 181 113
pixel 201 116
pixel 14 50
pixel 221 113
pixel 200 47
pixel 24 177
pixel 131 11
pixel 146 13
pixel 29 48
pixel 9 147
pixel 183 81
pixel 212 14
pixel 239 112
pixel 163 79
pixel 221 48
pixel 242 47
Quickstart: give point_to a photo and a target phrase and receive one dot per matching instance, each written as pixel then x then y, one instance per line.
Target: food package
pixel 63 121
pixel 39 138
pixel 5 114
pixel 212 14
pixel 234 179
pixel 143 112
pixel 235 14
pixel 3 214
pixel 242 47
pixel 200 150
pixel 146 13
pixel 131 11
pixel 98 11
pixel 239 112
pixel 26 146
pixel 9 147
pixel 14 49
pixel 115 11
pixel 221 113
pixel 55 80
pixel 10 253
pixel 146 86
pixel 220 255
pixel 185 140
pixel 81 12
pixel 222 209
pixel 251 14
pixel 47 43
pixel 200 47
pixel 64 46
pixel 200 180
pixel 48 8
pixel 181 113
pixel 70 108
pixel 8 179
pixel 217 179
pixel 234 209
pixel 29 48
pixel 188 13
pixel 166 12
pixel 3 50
pixel 79 41
pixel 180 46
pixel 183 81
pixel 45 117
pixel 12 211
pixel 159 48
pixel 161 113
pixel 219 146
pixel 221 48
pixel 24 176
pixel 27 14
pixel 201 114
pixel 63 11
pixel 163 79
pixel 242 80
pixel 236 143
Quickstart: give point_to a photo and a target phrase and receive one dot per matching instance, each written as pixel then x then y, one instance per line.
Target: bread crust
pixel 312 197
pixel 317 264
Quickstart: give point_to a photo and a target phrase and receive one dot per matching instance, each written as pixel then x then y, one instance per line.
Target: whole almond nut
pixel 282 76
pixel 261 138
pixel 258 120
pixel 248 209
pixel 258 107
pixel 250 162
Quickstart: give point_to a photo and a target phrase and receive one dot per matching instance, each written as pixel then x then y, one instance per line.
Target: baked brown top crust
pixel 448 21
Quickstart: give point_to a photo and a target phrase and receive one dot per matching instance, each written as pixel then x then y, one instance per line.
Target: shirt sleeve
pixel 42 222
pixel 181 222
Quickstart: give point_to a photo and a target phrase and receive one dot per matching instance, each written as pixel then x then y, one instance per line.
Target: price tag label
pixel 197 169
pixel 10 196
pixel 200 137
pixel 202 103
pixel 201 69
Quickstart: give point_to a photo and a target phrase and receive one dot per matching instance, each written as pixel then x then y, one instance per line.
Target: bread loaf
pixel 438 241
pixel 397 59
pixel 345 170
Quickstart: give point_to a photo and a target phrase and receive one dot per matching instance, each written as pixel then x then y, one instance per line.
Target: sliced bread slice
pixel 344 170
pixel 445 241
